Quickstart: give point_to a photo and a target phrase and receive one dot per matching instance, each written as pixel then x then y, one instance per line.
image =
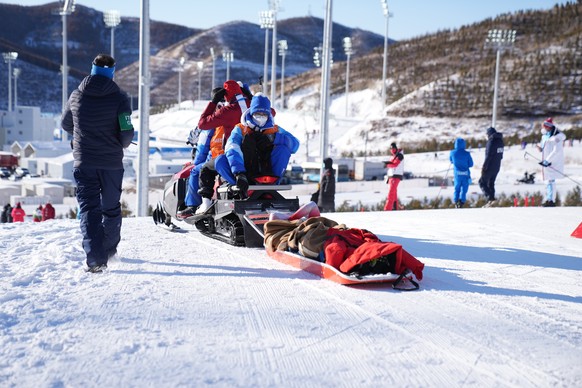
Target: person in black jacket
pixel 98 117
pixel 492 164
pixel 326 197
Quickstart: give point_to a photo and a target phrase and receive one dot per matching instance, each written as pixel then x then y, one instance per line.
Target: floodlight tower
pixel 266 21
pixel 499 40
pixel 283 52
pixel 10 57
pixel 16 74
pixel 387 15
pixel 348 51
pixel 67 8
pixel 228 57
pixel 112 20
pixel 274 8
pixel 200 66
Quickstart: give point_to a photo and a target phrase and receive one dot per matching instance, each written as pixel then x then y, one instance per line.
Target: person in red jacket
pixel 18 213
pixel 395 174
pixel 48 212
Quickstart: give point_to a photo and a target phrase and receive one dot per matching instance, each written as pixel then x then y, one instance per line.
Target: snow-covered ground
pixel 500 305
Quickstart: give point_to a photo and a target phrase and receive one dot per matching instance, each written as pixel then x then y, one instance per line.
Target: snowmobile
pixel 529 179
pixel 233 218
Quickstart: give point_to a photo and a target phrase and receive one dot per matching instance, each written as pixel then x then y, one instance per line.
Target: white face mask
pixel 543 131
pixel 260 119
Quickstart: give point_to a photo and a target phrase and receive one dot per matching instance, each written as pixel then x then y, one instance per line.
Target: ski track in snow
pixel 180 309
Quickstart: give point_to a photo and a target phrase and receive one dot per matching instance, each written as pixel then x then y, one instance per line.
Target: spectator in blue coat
pixel 492 164
pixel 98 118
pixel 462 162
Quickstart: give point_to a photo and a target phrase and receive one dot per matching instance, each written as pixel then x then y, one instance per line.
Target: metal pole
pixel 325 72
pixel 16 73
pixel 494 117
pixel 113 42
pixel 65 84
pixel 200 66
pixel 9 85
pixel 385 67
pixel 347 85
pixel 213 68
pixel 275 9
pixel 283 54
pixel 144 114
pixel 266 62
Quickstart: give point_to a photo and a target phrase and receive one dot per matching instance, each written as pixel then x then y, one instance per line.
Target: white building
pixel 26 123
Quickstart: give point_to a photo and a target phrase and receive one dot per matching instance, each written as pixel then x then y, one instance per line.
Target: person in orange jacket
pixel 18 213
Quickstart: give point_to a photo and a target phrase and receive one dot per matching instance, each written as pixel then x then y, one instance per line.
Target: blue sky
pixel 410 17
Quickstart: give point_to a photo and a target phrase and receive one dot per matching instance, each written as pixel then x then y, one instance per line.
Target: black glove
pixel 242 183
pixel 218 96
pixel 71 143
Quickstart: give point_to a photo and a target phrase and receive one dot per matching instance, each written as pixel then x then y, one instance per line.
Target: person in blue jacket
pixel 462 162
pixel 257 146
pixel 98 118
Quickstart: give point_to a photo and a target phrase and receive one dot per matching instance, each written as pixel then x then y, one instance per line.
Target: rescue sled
pixel 231 218
pixel 328 272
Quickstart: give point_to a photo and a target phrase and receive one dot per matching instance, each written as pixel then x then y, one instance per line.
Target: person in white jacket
pixel 552 148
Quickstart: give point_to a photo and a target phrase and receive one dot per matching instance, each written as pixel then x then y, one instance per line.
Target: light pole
pixel 112 20
pixel 325 74
pixel 266 21
pixel 387 15
pixel 228 57
pixel 213 68
pixel 349 51
pixel 274 8
pixel 200 66
pixel 144 110
pixel 180 69
pixel 16 74
pixel 283 52
pixel 67 9
pixel 10 57
pixel 499 40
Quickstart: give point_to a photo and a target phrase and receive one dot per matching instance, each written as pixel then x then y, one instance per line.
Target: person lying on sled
pixel 257 147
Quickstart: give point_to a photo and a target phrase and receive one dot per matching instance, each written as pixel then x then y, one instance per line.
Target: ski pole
pixel 559 172
pixel 444 181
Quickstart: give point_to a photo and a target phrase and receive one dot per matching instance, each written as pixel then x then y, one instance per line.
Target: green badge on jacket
pixel 125 121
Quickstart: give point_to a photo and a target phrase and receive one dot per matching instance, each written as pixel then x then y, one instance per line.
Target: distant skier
pixel 552 148
pixel 491 165
pixel 462 162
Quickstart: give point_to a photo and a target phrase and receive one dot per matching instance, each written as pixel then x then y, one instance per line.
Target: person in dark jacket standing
pixel 98 117
pixel 491 165
pixel 326 198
